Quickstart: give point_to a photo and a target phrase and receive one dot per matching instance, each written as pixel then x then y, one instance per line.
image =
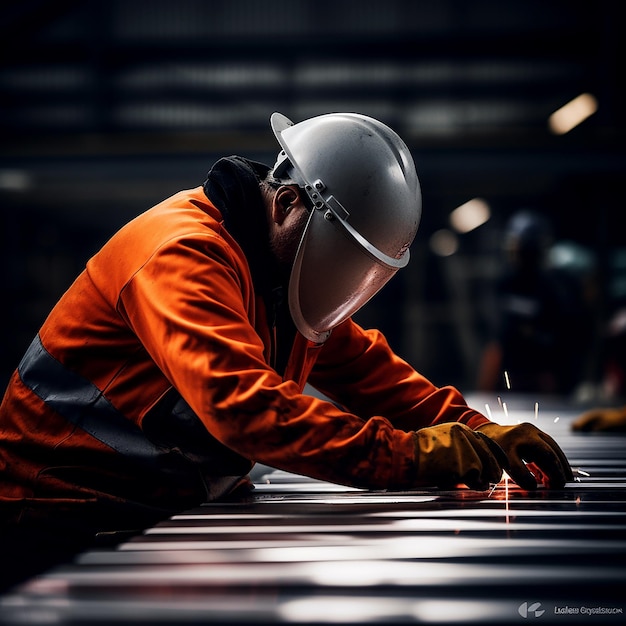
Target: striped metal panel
pixel 302 551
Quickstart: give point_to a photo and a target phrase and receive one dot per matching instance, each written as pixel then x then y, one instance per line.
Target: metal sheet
pixel 303 551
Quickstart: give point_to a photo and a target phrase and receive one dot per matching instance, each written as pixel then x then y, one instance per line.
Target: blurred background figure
pixel 608 392
pixel 614 372
pixel 543 331
pixel 577 266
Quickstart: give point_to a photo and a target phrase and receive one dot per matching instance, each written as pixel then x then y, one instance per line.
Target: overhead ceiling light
pixel 470 215
pixel 15 181
pixel 444 242
pixel 572 113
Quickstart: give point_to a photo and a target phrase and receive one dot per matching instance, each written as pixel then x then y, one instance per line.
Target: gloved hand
pixel 602 419
pixel 453 453
pixel 526 444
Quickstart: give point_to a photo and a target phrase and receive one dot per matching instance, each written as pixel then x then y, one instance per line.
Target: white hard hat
pixel 362 182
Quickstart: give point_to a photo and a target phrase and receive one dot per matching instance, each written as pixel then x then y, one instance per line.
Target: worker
pixel 538 313
pixel 178 358
pixel 610 414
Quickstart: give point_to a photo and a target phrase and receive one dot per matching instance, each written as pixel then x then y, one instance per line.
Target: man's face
pixel 290 219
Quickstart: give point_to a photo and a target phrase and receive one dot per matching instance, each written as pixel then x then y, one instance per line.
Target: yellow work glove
pixel 528 448
pixel 453 453
pixel 610 420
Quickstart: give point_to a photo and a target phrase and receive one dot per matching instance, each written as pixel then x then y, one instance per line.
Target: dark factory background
pixel 107 107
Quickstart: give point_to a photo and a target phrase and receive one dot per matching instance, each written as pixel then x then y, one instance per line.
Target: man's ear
pixel 285 199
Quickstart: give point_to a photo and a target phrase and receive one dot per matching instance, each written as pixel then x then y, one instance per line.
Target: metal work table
pixel 307 552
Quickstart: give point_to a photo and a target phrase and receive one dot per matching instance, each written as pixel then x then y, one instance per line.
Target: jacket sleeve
pixel 358 369
pixel 191 306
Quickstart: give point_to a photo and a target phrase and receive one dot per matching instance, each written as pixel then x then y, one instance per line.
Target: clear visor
pixel 333 276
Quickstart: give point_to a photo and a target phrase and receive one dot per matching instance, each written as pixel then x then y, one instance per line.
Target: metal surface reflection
pixel 302 551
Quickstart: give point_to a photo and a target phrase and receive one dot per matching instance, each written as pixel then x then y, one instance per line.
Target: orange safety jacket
pixel 153 382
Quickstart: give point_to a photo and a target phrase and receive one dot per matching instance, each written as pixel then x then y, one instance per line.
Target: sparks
pixel 488 411
pixel 506 495
pixel 506 379
pixel 536 410
pixel 505 480
pixel 506 411
pixel 556 419
pixel 583 473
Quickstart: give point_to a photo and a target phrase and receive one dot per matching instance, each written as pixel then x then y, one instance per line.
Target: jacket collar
pixel 233 186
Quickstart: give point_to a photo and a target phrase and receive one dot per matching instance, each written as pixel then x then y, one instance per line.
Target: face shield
pixel 346 256
pixel 333 276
